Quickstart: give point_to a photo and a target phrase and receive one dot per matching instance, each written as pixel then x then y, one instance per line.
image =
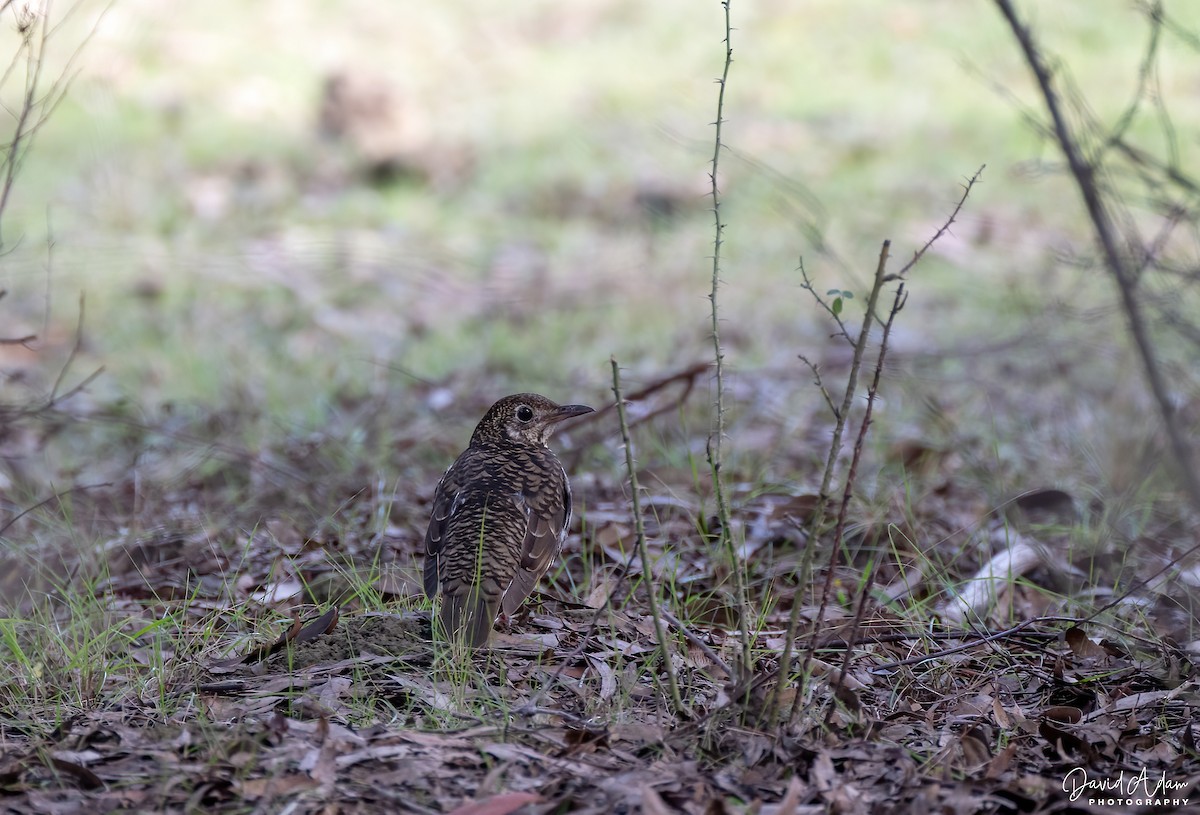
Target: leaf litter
pixel 280 658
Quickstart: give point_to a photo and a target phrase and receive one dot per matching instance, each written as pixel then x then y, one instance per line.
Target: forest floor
pixel 254 313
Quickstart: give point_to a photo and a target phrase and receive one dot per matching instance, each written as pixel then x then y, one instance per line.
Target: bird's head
pixel 524 418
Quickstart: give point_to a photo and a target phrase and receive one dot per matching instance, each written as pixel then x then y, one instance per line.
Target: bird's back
pixel 499 516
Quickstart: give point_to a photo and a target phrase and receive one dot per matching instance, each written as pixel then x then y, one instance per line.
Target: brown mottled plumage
pixel 500 514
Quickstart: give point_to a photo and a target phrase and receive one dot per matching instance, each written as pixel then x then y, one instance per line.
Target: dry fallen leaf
pixel 790 804
pixel 1082 646
pixel 1000 763
pixel 502 804
pixel 652 802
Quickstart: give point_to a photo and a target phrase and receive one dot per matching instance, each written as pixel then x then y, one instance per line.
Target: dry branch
pixel 1086 175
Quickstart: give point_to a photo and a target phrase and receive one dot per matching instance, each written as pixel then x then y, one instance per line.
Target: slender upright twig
pixel 865 592
pixel 818 518
pixel 841 416
pixel 715 456
pixel 643 554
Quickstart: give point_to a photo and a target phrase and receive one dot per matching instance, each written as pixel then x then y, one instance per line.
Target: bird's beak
pixel 563 412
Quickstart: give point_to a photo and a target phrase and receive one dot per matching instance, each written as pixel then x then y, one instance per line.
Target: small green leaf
pixel 837 307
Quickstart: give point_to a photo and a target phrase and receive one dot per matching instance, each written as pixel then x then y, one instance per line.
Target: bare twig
pixel 1086 181
pixel 33 43
pixel 57 496
pixel 945 227
pixel 807 285
pixel 643 553
pixel 983 639
pixel 1159 14
pixel 76 347
pixel 865 592
pixel 56 395
pixel 37 100
pixel 687 376
pixel 816 372
pixel 589 431
pixel 1141 158
pixel 841 415
pixel 716 437
pixel 818 516
pixel 695 640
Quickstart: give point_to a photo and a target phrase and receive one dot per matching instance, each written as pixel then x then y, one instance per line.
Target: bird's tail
pixel 468 617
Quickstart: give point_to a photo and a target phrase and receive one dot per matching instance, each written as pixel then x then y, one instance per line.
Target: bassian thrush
pixel 500 514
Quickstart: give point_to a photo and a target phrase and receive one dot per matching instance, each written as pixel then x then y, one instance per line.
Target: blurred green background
pixel 285 204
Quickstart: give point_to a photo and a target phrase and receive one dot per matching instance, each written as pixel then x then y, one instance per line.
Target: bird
pixel 499 515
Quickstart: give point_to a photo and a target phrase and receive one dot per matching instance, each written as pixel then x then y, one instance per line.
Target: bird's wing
pixel 548 516
pixel 444 499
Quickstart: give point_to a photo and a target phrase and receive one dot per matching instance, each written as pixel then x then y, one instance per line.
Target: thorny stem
pixel 840 416
pixel 944 228
pixel 837 318
pixel 835 445
pixel 643 554
pixel 865 592
pixel 715 459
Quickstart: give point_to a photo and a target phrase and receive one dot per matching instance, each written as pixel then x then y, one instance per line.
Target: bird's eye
pixel 524 413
